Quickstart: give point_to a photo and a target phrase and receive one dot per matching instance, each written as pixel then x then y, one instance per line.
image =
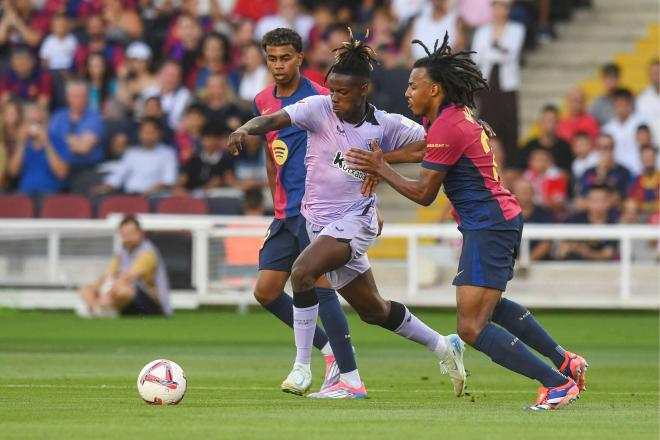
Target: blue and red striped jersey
pixel 287 147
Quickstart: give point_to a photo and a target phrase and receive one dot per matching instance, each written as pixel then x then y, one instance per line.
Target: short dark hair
pixel 226 58
pixel 153 121
pixel 601 187
pixel 550 108
pixel 215 130
pixel 610 69
pixel 643 127
pixel 21 49
pixel 195 107
pixel 581 134
pixel 130 218
pixel 282 37
pixel 649 147
pixel 353 58
pixel 623 93
pixel 253 198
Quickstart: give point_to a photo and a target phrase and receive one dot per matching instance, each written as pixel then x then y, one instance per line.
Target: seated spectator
pixel 11 119
pixel 255 76
pixel 22 23
pixel 645 189
pixel 25 80
pixel 80 130
pixel 623 129
pixel 220 103
pixel 212 167
pixel 134 76
pixel 101 85
pixel 153 109
pixel 602 108
pixel 186 50
pixel 550 184
pixel 647 103
pixel 643 137
pixel 39 166
pixel 135 283
pixel 216 59
pixel 577 120
pixel 123 24
pixel 549 141
pixel 188 138
pixel 607 172
pixel 289 16
pixel 174 97
pixel 598 204
pixel 253 202
pixel 59 47
pixel 533 213
pixel 148 168
pixel 94 40
pixel 585 157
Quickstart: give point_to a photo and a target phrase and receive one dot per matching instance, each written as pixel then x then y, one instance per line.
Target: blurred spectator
pixel 101 84
pixel 134 76
pixel 598 212
pixel 533 213
pixel 213 166
pixel 602 108
pixel 94 40
pixel 645 189
pixel 39 166
pixel 255 75
pixel 606 173
pixel 324 17
pixel 435 18
pixel 498 47
pixel 135 283
pixel 188 138
pixel 585 157
pixel 149 168
pixel 250 164
pixel 117 146
pixel 11 119
pixel 475 13
pixel 80 130
pixel 59 47
pixel 550 184
pixel 123 23
pixel 647 103
pixel 405 10
pixel 623 128
pixel 577 119
pixel 255 9
pixel 216 58
pixel 22 24
pixel 220 103
pixel 173 95
pixel 153 109
pixel 548 140
pixel 25 79
pixel 186 50
pixel 383 38
pixel 288 15
pixel 253 202
pixel 243 36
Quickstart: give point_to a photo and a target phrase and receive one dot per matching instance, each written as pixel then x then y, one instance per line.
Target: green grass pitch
pixel 62 377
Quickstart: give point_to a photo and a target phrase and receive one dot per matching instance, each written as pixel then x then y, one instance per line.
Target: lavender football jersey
pixel 332 188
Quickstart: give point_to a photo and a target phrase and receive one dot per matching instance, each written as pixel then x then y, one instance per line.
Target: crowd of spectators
pixel 139 96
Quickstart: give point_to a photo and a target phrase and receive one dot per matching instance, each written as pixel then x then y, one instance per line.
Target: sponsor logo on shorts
pixel 340 162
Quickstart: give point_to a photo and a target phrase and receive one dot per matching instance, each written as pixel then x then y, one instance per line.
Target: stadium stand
pixel 16 206
pixel 123 204
pixel 66 206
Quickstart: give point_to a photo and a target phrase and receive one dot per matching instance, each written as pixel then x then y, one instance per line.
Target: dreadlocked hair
pixel 353 58
pixel 458 75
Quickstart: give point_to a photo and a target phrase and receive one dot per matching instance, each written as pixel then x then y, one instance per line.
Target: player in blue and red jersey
pixel 287 235
pixel 441 88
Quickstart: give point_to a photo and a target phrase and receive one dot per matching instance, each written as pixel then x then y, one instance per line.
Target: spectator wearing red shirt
pixel 645 189
pixel 188 138
pixel 95 41
pixel 550 183
pixel 577 120
pixel 25 80
pixel 255 9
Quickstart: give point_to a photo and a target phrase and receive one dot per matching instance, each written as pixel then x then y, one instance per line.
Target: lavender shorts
pixel 360 232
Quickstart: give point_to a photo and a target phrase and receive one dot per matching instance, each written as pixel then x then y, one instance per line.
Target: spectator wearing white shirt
pixel 498 47
pixel 59 47
pixel 436 18
pixel 288 16
pixel 146 169
pixel 623 129
pixel 173 95
pixel 647 103
pixel 255 74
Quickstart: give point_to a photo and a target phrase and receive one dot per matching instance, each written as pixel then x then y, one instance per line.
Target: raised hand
pixel 369 161
pixel 235 144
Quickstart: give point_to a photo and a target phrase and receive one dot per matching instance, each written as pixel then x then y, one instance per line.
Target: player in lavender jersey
pixel 341 222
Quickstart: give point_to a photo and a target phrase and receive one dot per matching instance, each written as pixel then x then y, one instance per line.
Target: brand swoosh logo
pixel 266 110
pixel 457 275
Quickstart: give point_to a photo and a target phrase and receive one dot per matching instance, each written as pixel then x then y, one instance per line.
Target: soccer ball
pixel 162 382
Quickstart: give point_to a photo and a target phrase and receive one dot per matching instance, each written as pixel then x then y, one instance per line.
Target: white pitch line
pixel 376 390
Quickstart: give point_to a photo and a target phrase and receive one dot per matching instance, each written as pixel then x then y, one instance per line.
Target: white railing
pixel 205 228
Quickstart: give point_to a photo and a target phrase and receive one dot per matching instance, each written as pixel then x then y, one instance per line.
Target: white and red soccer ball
pixel 162 382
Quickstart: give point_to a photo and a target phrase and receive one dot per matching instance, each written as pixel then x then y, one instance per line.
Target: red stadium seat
pixel 182 205
pixel 66 206
pixel 16 207
pixel 123 205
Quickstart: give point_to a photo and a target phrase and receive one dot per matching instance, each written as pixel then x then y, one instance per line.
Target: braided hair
pixel 458 75
pixel 353 58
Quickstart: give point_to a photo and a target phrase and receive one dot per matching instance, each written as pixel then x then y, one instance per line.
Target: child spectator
pixel 59 47
pixel 585 158
pixel 550 184
pixel 188 137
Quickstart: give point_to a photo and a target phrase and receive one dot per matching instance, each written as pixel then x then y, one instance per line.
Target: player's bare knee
pixel 302 279
pixel 264 295
pixel 374 316
pixel 469 331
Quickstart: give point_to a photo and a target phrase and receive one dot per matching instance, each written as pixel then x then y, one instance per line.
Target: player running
pixel 341 223
pixel 287 235
pixel 441 88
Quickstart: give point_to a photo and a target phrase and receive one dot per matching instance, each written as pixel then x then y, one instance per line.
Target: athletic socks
pixel 282 308
pixel 404 323
pixel 352 379
pixel 305 312
pixel 519 321
pixel 335 324
pixel 508 351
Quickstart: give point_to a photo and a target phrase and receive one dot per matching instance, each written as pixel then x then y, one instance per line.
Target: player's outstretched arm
pixel 258 125
pixel 423 191
pixel 411 153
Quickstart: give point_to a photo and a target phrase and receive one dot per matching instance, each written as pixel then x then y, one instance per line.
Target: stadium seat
pixel 123 204
pixel 182 205
pixel 66 206
pixel 16 206
pixel 225 205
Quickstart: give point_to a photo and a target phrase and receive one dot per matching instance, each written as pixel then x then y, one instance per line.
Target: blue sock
pixel 335 324
pixel 282 308
pixel 519 321
pixel 505 349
